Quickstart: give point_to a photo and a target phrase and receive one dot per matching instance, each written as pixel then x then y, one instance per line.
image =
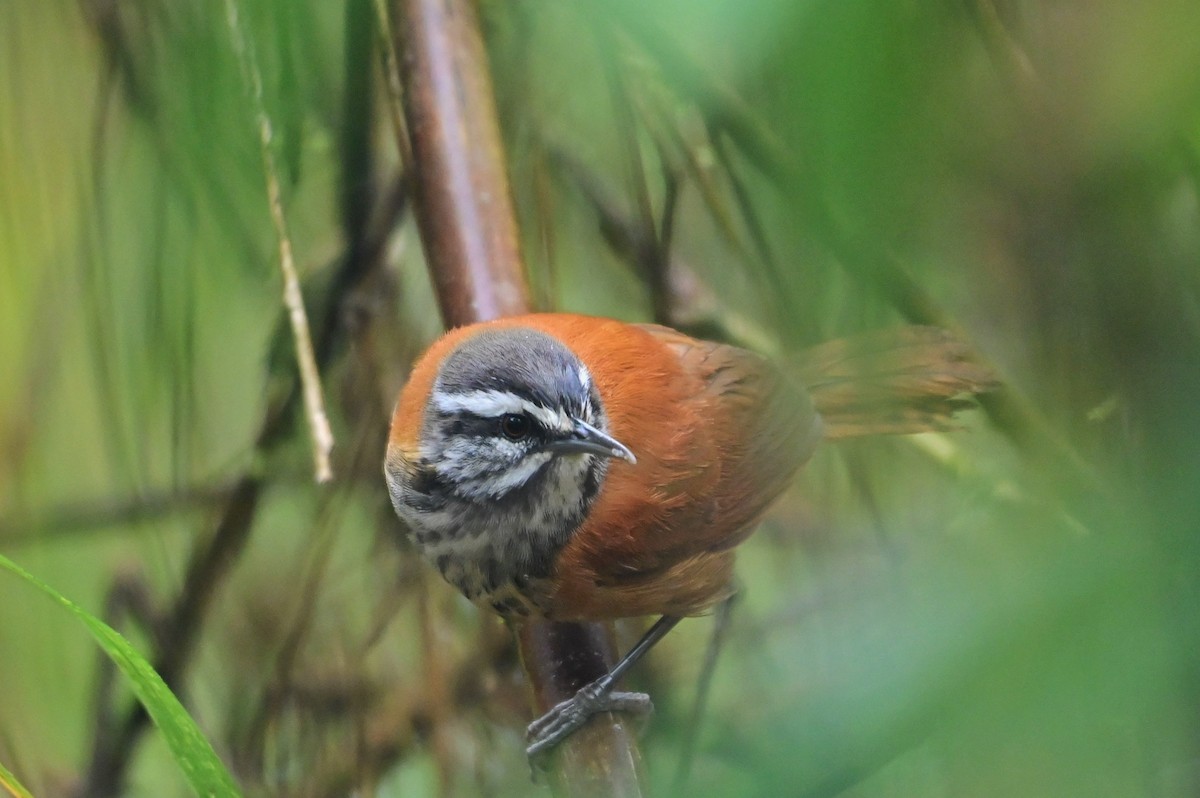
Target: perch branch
pixel 468 229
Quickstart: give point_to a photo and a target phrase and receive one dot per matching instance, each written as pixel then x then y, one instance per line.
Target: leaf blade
pixel 192 752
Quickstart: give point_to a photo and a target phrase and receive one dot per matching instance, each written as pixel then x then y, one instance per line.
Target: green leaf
pixel 9 782
pixel 192 752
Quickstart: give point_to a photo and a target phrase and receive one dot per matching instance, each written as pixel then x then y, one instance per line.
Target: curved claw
pixel 565 717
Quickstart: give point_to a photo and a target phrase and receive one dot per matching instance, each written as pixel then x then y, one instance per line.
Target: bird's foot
pixel 565 717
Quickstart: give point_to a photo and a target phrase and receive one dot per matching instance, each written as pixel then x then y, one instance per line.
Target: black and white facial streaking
pixel 514 448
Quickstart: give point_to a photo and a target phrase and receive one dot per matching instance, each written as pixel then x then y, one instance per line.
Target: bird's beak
pixel 586 439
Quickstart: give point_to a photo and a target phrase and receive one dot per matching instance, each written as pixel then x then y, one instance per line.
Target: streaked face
pixel 506 404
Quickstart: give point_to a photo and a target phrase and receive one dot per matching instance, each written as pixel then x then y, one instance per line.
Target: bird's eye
pixel 515 426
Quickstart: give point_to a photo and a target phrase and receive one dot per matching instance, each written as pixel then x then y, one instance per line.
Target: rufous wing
pixel 718 433
pixel 764 428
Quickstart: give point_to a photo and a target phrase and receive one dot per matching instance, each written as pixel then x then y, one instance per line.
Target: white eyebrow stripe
pixel 493 404
pixel 484 403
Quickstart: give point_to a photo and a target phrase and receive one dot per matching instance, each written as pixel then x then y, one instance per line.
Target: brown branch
pixel 602 758
pixel 470 238
pixel 464 206
pixel 80 517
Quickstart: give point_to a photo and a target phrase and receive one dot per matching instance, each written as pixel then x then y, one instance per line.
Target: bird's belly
pixel 496 563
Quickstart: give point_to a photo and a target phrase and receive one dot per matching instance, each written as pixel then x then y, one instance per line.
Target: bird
pixel 576 468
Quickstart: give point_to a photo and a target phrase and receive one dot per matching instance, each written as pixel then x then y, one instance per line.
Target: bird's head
pixel 513 428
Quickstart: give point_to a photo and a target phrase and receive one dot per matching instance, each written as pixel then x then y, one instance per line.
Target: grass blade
pixel 191 751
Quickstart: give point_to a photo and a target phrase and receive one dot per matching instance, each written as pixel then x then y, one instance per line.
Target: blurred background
pixel 1010 609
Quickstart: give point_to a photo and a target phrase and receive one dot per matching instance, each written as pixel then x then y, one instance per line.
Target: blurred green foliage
pixel 979 613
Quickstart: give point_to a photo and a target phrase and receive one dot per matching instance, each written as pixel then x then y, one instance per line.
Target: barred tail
pixel 894 381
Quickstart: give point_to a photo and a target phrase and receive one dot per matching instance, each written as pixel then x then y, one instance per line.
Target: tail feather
pixel 895 381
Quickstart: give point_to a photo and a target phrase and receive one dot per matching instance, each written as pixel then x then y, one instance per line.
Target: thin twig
pixel 690 297
pixel 750 217
pixel 708 668
pixel 651 259
pixel 82 517
pixel 293 299
pixel 390 65
pixel 670 139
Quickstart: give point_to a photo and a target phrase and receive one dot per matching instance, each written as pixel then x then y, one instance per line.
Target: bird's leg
pixel 565 717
